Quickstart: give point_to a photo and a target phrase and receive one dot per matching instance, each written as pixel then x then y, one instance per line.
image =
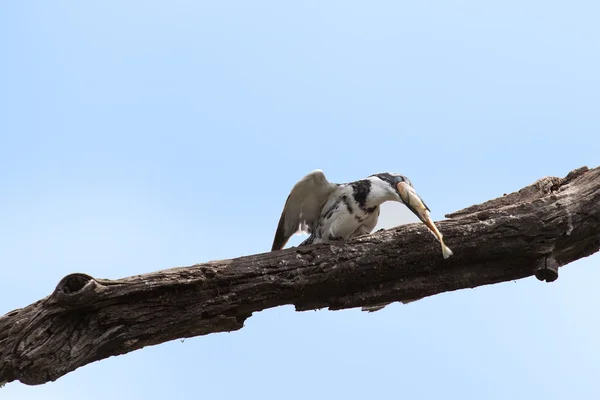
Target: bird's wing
pixel 303 207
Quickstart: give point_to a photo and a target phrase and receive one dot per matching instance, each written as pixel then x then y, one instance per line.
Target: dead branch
pixel 530 232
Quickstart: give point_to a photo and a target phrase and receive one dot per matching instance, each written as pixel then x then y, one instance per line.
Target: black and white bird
pixel 331 212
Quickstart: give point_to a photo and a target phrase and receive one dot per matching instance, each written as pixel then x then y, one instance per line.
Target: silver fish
pixel 412 200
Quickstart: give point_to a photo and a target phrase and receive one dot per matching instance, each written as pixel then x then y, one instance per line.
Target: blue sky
pixel 141 135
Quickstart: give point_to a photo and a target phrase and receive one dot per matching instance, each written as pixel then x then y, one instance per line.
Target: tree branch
pixel 531 232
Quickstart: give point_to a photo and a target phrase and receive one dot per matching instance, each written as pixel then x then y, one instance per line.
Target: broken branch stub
pixel 530 232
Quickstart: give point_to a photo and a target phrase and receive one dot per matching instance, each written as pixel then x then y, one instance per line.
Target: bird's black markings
pixel 360 191
pixel 358 219
pixel 329 213
pixel 308 240
pixel 392 180
pixel 348 205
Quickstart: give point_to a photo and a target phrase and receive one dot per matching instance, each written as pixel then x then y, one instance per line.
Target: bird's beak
pixel 411 199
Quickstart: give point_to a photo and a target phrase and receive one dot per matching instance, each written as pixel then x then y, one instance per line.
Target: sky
pixel 142 135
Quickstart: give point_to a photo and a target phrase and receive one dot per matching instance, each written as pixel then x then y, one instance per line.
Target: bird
pixel 331 212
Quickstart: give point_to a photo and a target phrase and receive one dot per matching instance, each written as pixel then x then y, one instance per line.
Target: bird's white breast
pixel 342 218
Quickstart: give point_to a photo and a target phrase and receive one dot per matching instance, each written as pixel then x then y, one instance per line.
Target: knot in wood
pixel 76 290
pixel 483 215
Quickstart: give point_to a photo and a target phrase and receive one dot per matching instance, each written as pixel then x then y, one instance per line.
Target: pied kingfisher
pixel 331 212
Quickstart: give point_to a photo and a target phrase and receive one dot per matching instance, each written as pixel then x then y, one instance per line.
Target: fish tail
pixel 446 251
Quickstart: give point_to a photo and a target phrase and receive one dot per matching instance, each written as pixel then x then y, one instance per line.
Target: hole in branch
pixel 73 283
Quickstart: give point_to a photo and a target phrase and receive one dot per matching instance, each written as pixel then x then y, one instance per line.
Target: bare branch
pixel 531 232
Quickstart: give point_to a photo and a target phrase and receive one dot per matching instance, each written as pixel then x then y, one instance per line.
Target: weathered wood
pixel 534 231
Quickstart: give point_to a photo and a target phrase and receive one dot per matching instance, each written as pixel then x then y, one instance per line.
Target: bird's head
pixel 400 187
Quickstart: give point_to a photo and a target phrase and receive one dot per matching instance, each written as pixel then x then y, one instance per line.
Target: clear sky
pixel 141 135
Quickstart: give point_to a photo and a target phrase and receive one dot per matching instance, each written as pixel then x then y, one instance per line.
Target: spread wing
pixel 303 207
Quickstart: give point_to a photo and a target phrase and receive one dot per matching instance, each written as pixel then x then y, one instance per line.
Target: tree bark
pixel 533 231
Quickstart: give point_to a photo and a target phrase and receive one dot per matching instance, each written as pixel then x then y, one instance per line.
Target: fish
pixel 414 202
